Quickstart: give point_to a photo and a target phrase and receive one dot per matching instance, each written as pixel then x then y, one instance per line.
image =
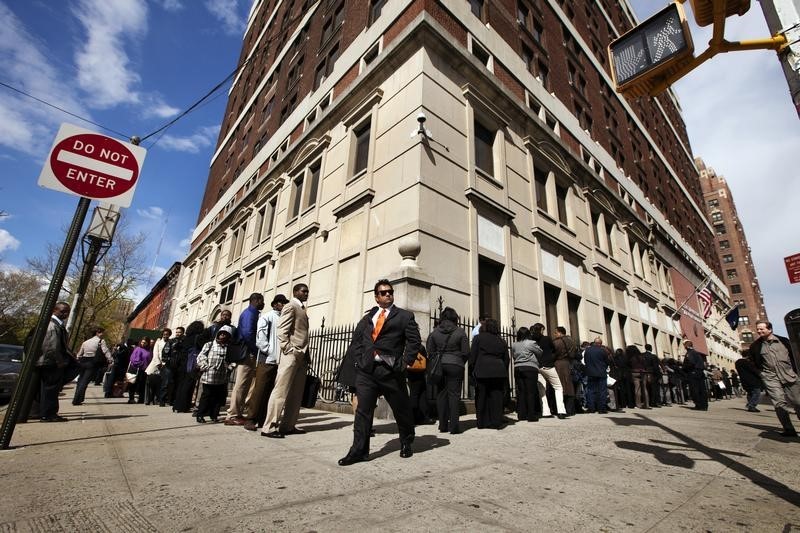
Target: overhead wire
pixel 70 113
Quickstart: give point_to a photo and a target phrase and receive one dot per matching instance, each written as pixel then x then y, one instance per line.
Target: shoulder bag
pixel 433 373
pixel 311 389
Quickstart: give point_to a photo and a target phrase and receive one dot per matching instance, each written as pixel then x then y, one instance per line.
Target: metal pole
pixel 23 383
pixel 783 16
pixel 95 245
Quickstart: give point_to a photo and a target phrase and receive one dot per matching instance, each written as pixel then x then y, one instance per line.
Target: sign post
pixel 94 167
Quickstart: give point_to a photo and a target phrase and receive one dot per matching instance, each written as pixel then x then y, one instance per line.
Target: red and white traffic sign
pixel 85 163
pixel 793 267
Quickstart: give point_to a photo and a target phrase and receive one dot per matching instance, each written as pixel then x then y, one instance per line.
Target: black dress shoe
pixel 787 433
pixel 561 416
pixel 200 420
pixel 349 459
pixel 295 431
pixel 406 451
pixel 274 434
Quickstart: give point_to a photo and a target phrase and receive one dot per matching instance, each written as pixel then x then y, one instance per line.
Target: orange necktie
pixel 379 324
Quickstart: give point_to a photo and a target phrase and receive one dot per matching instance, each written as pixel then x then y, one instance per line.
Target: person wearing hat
pixel 267 360
pixel 214 375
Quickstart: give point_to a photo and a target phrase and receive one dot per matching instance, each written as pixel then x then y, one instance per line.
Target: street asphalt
pixel 117 467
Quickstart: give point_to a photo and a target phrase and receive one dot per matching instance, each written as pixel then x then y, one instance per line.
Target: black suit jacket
pixel 399 338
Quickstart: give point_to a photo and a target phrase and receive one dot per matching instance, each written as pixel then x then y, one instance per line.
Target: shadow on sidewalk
pixel 768 432
pixel 314 427
pixel 95 437
pixel 762 480
pixel 421 444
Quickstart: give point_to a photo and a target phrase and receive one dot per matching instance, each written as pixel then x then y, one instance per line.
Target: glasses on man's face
pixel 389 292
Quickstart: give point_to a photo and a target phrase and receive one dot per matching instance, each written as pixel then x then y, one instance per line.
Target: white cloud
pixel 202 138
pixel 155 106
pixel 171 5
pixel 7 241
pixel 27 126
pixel 229 14
pixel 153 213
pixel 104 69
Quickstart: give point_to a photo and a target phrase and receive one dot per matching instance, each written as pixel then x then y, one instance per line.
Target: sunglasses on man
pixel 389 292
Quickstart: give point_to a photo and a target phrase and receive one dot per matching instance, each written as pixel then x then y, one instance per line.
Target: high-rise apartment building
pixel 473 151
pixel 738 270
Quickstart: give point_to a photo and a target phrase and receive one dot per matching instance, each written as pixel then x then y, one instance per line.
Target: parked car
pixel 10 367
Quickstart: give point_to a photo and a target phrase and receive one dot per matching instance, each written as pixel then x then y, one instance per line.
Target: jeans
pixel 88 368
pixel 753 396
pixel 596 394
pixel 448 400
pixel 166 382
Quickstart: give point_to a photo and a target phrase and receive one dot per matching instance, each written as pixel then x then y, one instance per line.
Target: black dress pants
pixel 448 401
pixel 212 399
pixel 489 402
pixel 51 379
pixel 418 397
pixel 369 386
pixel 88 368
pixel 697 385
pixel 526 379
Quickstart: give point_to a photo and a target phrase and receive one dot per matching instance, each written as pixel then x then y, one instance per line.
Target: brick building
pixel 533 192
pixel 739 272
pixel 155 309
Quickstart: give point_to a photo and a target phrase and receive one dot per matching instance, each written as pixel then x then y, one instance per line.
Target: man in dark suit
pixel 52 362
pixel 694 364
pixel 388 341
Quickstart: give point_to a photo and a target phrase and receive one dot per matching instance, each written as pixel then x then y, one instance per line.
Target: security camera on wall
pixel 421 118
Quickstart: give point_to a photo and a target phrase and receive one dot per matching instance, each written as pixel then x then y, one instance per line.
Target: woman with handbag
pixel 140 358
pixel 213 365
pixel 489 363
pixel 447 347
pixel 415 375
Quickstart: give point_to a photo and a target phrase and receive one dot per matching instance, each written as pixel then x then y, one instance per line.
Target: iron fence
pixel 329 344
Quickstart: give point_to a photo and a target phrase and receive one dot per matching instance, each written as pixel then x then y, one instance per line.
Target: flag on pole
pixel 705 296
pixel 733 317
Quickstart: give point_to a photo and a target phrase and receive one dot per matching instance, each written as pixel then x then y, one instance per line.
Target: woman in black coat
pixel 450 342
pixel 489 363
pixel 185 373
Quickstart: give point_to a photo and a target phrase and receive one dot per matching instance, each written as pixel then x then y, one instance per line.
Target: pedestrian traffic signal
pixel 648 54
pixel 704 9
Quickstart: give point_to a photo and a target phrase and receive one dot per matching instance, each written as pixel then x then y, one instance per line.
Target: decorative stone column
pixel 412 289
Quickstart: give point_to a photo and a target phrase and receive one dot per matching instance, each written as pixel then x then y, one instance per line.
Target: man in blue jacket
pixel 597 358
pixel 246 368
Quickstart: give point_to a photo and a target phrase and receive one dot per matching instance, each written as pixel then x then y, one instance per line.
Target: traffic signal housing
pixel 704 9
pixel 650 53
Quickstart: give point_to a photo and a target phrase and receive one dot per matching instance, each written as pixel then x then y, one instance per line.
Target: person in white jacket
pixel 269 354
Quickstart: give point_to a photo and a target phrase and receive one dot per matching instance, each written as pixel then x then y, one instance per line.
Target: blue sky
pixel 131 65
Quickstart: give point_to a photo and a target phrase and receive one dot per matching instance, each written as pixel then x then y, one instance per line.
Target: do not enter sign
pixel 94 166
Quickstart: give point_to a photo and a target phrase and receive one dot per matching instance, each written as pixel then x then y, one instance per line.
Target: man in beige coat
pixel 284 402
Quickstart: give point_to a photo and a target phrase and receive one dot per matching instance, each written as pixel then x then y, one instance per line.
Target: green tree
pixel 21 296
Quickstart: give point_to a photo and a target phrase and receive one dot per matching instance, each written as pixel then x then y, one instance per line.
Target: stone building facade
pixel 531 191
pixel 739 272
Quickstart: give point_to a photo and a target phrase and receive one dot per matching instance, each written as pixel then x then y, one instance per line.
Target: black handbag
pixel 434 373
pixel 311 390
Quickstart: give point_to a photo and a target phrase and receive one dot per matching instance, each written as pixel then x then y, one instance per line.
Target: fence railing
pixel 329 344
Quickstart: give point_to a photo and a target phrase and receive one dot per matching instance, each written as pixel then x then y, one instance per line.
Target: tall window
pixel 489 275
pixel 362 138
pixel 610 236
pixel 574 303
pixel 312 187
pixel 484 148
pixel 561 200
pixel 551 295
pixel 227 292
pixel 540 181
pixel 264 220
pixel 476 6
pixel 375 8
pixel 296 197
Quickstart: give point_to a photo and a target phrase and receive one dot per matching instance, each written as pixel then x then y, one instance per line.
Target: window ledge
pixel 488 177
pixel 356 176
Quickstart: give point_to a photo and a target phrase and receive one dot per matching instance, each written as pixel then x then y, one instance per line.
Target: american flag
pixel 705 297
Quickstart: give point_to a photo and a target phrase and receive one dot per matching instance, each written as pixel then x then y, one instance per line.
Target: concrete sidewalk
pixel 119 467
